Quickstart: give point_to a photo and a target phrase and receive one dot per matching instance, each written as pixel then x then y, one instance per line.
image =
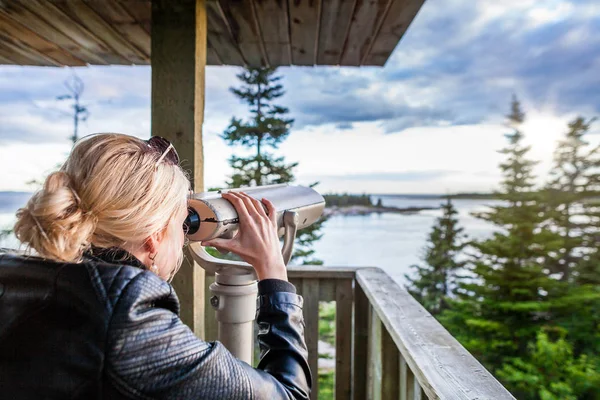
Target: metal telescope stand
pixel 235 289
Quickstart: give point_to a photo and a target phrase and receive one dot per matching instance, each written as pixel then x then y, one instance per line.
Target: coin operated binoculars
pixel 235 288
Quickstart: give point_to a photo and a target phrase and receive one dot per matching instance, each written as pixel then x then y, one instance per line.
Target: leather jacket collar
pixel 113 255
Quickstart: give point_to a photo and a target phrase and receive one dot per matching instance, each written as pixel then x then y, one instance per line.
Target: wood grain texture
pixel 442 367
pixel 374 357
pixel 368 15
pixel 126 25
pixel 304 20
pixel 390 367
pixel 322 272
pixel 394 26
pixel 179 52
pixel 71 28
pixel 220 36
pixel 240 17
pixel 310 293
pixel 361 340
pixel 336 18
pixel 86 17
pixel 141 10
pixel 20 13
pixel 27 39
pixel 211 325
pixel 274 26
pixel 343 339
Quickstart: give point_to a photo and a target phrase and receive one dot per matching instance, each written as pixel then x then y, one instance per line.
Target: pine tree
pixel 266 128
pixel 499 309
pixel 433 282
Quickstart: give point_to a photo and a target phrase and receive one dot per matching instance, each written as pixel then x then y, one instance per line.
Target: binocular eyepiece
pixel 192 222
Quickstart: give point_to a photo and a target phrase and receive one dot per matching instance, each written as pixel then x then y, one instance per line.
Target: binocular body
pixel 211 216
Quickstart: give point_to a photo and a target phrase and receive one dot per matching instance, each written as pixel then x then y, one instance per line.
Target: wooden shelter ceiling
pixel 240 32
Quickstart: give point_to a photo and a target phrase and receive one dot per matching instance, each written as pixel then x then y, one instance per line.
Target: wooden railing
pixel 387 345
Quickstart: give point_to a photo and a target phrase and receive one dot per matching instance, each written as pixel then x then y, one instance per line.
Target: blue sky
pixel 430 121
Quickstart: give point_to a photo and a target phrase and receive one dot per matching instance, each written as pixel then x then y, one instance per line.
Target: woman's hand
pixel 256 241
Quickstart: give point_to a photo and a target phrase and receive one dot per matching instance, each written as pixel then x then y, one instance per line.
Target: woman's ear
pixel 153 242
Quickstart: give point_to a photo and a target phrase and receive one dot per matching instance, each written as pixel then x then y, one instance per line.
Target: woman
pixel 95 316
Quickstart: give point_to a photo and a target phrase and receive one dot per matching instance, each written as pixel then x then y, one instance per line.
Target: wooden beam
pixel 239 16
pixel 17 56
pixel 368 16
pixel 117 16
pixel 24 53
pixel 71 28
pixel 95 24
pixel 178 68
pixel 31 40
pixel 394 26
pixel 141 10
pixel 304 30
pixel 220 36
pixel 336 18
pixel 19 12
pixel 272 17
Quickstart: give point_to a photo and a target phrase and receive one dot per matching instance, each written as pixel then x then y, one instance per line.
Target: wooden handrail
pixel 442 366
pixel 387 345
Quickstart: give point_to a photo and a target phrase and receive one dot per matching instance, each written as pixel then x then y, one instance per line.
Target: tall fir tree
pixel 434 281
pixel 267 127
pixel 499 309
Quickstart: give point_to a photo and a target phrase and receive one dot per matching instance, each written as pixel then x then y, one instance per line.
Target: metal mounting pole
pixel 234 300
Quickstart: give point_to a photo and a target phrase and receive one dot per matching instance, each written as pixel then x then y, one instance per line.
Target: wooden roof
pixel 240 32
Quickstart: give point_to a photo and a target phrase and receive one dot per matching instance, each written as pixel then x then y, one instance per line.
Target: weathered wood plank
pixel 85 16
pixel 240 17
pixel 368 15
pixel 20 13
pixel 344 297
pixel 141 10
pixel 273 19
pixel 327 289
pixel 390 364
pixel 4 60
pixel 212 57
pixel 322 272
pixel 221 37
pixel 18 56
pixel 30 40
pixel 71 28
pixel 403 383
pixel 297 282
pixel 178 81
pixel 443 368
pixel 24 54
pixel 305 17
pixel 394 26
pixel 310 293
pixel 336 18
pixel 361 340
pixel 374 358
pixel 118 18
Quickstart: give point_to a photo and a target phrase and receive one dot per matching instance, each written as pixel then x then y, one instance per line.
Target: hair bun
pixel 53 221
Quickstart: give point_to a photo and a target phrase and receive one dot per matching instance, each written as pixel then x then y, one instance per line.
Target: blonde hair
pixel 111 192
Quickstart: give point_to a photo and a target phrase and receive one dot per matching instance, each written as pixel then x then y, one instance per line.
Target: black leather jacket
pixel 106 330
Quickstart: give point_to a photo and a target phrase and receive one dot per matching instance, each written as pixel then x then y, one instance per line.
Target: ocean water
pixel 389 241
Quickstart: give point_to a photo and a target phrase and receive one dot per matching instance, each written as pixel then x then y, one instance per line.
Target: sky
pixel 431 121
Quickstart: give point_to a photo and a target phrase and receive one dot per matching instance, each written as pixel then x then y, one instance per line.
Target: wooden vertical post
pixel 178 63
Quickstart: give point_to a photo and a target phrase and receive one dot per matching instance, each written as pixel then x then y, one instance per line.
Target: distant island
pixel 362 204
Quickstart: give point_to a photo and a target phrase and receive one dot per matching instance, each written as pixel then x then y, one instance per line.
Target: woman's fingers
pixel 252 210
pixel 260 208
pixel 238 204
pixel 272 212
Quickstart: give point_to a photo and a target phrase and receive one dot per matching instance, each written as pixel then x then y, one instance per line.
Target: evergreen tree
pixel 551 370
pixel 502 305
pixel 432 283
pixel 267 126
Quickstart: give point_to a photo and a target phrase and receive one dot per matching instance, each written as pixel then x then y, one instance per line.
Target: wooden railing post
pixel 343 339
pixel 361 338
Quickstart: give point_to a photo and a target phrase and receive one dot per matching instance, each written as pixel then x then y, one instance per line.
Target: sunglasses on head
pixel 165 148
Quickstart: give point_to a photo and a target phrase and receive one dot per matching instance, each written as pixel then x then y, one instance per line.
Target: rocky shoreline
pixel 366 210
